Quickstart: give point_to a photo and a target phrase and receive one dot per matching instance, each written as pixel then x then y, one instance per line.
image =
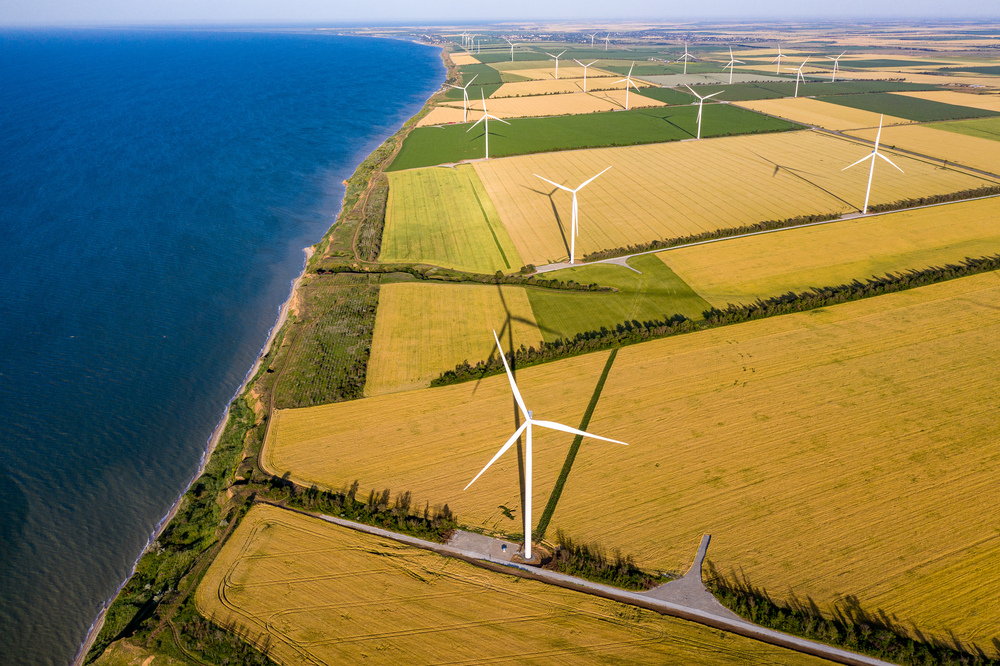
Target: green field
pixel 444 217
pixel 656 293
pixel 672 96
pixel 745 92
pixel 911 108
pixel 876 63
pixel 986 69
pixel 428 146
pixel 661 68
pixel 487 80
pixel 983 128
pixel 520 55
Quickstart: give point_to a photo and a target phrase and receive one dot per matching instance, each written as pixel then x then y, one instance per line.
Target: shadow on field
pixel 555 213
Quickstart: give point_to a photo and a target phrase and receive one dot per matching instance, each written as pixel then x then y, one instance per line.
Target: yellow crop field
pixel 539 105
pixel 566 71
pixel 987 102
pixel 742 270
pixel 683 188
pixel 463 59
pixel 970 151
pixel 325 594
pixel 844 451
pixel 563 85
pixel 819 114
pixel 444 217
pixel 422 330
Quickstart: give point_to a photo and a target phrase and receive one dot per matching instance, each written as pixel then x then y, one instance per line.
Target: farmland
pixel 750 91
pixel 983 128
pixel 911 108
pixel 427 146
pixel 680 189
pixel 444 217
pixel 988 102
pixel 820 114
pixel 326 594
pixel 655 293
pixel 563 85
pixel 809 446
pixel 745 269
pixel 954 147
pixel 421 330
pixel 541 105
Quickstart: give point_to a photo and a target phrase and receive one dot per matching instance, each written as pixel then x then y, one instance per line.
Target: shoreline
pixel 213 440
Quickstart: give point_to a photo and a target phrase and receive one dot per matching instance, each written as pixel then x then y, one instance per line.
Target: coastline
pixel 213 440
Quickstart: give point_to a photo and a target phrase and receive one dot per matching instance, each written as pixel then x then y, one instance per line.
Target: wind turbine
pixel 798 76
pixel 778 58
pixel 701 101
pixel 574 229
pixel 556 57
pixel 836 65
pixel 687 56
pixel 486 126
pixel 592 39
pixel 628 82
pixel 871 156
pixel 584 72
pixel 607 41
pixel 732 65
pixel 525 428
pixel 465 97
pixel 512 45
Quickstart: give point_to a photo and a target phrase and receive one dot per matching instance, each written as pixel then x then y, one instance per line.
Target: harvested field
pixel 848 450
pixel 444 217
pixel 680 189
pixel 819 114
pixel 542 105
pixel 421 330
pixel 567 70
pixel 742 270
pixel 325 594
pixel 654 293
pixel 987 102
pixel 563 85
pixel 954 147
pixel 463 59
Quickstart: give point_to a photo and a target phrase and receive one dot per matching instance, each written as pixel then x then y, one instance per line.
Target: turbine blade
pixel 510 377
pixel 503 449
pixel 858 162
pixel 471 80
pixel 889 161
pixel 588 182
pixel 561 187
pixel 500 120
pixel 476 123
pixel 552 425
pixel 714 94
pixel 693 92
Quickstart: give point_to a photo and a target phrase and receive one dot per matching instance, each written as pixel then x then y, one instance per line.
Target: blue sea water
pixel 156 191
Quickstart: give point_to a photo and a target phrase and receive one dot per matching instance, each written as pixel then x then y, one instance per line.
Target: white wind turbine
pixel 592 39
pixel 687 56
pixel 525 428
pixel 701 102
pixel 486 126
pixel 584 72
pixel 607 40
pixel 799 76
pixel 512 45
pixel 871 156
pixel 574 228
pixel 732 65
pixel 836 65
pixel 465 97
pixel 628 82
pixel 778 58
pixel 556 58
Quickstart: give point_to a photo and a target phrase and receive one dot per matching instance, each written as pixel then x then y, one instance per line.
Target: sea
pixel 157 188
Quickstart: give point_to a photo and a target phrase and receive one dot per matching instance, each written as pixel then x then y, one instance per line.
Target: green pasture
pixel 877 63
pixel 982 128
pixel 911 108
pixel 520 55
pixel 445 217
pixel 743 92
pixel 985 69
pixel 659 69
pixel 655 293
pixel 428 146
pixel 487 80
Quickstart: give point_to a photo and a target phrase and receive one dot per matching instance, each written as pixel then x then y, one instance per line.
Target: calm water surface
pixel 156 191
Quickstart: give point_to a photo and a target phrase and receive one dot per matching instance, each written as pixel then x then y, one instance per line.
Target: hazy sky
pixel 394 11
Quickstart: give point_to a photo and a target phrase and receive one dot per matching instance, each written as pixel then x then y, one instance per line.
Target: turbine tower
pixel 574 228
pixel 871 156
pixel 525 428
pixel 486 124
pixel 556 58
pixel 777 59
pixel 836 65
pixel 512 45
pixel 628 82
pixel 607 40
pixel 592 39
pixel 465 97
pixel 687 56
pixel 584 72
pixel 732 65
pixel 799 76
pixel 701 102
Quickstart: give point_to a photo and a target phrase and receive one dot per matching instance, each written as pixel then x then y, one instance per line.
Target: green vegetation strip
pixel 983 128
pixel 429 146
pixel 911 108
pixel 632 332
pixel 743 92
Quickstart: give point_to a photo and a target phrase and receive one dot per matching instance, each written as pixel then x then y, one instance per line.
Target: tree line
pixel 439 275
pixel 591 561
pixel 631 332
